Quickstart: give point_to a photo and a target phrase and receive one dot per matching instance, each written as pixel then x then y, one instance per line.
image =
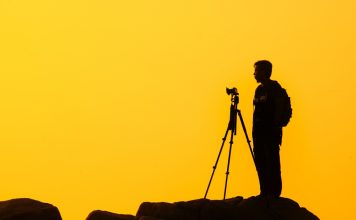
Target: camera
pixel 232 91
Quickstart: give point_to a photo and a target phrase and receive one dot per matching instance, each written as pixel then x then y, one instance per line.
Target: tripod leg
pixel 216 163
pixel 228 161
pixel 247 139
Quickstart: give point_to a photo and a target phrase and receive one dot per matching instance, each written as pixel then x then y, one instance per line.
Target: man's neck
pixel 266 82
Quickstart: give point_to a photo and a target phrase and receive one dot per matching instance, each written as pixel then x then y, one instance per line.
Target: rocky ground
pixel 253 208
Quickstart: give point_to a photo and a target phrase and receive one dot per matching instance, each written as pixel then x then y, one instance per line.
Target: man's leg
pixel 275 179
pixel 260 160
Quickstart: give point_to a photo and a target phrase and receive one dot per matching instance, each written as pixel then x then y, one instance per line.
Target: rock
pixel 190 210
pixel 253 208
pixel 274 208
pixel 103 215
pixel 28 209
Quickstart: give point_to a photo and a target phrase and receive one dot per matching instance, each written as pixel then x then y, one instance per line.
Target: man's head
pixel 263 70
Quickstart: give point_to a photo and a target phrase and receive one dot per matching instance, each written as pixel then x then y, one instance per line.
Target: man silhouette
pixel 266 132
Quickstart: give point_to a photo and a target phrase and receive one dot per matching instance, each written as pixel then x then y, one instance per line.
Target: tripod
pixel 231 127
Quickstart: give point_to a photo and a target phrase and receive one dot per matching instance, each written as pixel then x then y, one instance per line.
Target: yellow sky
pixel 106 104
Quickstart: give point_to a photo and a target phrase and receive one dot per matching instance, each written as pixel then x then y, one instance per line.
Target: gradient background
pixel 106 104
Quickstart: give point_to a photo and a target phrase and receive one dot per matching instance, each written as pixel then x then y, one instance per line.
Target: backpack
pixel 283 108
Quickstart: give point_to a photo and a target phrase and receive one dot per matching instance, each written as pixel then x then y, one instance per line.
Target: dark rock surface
pixel 104 215
pixel 254 208
pixel 28 209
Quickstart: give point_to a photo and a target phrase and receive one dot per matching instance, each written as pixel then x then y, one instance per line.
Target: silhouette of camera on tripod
pixel 234 111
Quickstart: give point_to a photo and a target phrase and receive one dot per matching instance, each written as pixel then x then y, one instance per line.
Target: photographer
pixel 267 133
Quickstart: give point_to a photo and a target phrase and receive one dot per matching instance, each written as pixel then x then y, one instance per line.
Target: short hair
pixel 265 66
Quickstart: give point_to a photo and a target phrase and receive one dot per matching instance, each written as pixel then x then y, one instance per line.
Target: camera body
pixel 234 95
pixel 232 91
